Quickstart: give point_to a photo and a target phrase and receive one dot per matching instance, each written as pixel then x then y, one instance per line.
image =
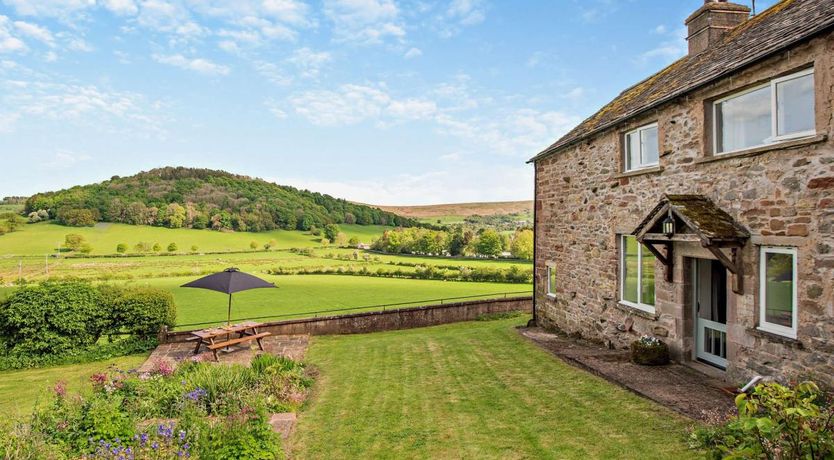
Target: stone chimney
pixel 708 25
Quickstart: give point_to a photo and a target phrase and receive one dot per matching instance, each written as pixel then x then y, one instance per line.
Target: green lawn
pixel 45 237
pixel 471 390
pixel 300 295
pixel 19 390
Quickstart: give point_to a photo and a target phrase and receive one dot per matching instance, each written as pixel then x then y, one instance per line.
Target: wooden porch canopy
pixel 696 220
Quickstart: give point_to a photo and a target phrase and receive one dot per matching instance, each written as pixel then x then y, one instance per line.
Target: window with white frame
pixel 636 274
pixel 551 280
pixel 641 148
pixel 777 295
pixel 780 110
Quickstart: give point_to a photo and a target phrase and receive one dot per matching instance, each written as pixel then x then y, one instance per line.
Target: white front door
pixel 710 301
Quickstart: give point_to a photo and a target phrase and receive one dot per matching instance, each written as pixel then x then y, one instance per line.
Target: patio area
pixel 290 346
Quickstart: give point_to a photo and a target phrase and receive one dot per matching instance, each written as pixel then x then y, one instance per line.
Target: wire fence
pixel 378 307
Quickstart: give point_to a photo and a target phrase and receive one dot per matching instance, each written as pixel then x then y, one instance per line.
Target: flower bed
pixel 199 410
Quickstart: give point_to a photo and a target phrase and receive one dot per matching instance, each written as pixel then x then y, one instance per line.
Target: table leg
pixel 197 348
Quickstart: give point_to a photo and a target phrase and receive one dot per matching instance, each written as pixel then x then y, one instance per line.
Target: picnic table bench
pixel 245 332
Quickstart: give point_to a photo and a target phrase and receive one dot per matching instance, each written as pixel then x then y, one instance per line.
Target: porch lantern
pixel 669 226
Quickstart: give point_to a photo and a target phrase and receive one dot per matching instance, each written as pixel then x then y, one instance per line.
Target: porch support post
pixel 732 263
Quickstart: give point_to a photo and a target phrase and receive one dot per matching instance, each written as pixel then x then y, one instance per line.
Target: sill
pixel 782 145
pixel 775 337
pixel 551 295
pixel 640 172
pixel 642 312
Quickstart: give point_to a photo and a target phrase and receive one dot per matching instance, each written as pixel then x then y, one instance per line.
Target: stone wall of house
pixel 784 195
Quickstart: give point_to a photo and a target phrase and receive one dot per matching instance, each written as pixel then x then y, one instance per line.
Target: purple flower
pixel 155 445
pixel 196 394
pixel 182 435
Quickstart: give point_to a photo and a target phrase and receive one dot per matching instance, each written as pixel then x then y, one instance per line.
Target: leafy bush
pixel 63 322
pixel 649 351
pixel 774 422
pixel 76 217
pixel 53 318
pixel 140 311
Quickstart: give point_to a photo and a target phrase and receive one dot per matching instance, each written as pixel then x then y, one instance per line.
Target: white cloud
pixel 309 62
pixel 121 7
pixel 49 8
pixel 79 44
pixel 66 159
pixel 349 105
pixel 272 73
pixel 50 56
pixel 413 53
pixel 11 44
pixel 199 65
pixel 364 21
pixel 35 31
pixel 275 109
pixel 668 50
pixel 467 12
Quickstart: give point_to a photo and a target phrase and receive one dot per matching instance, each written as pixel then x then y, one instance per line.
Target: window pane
pixel 647 277
pixel 630 260
pixel 650 145
pixel 744 121
pixel 779 289
pixel 632 151
pixel 551 280
pixel 795 105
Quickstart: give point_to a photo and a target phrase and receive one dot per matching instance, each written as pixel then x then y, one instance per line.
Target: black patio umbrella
pixel 229 281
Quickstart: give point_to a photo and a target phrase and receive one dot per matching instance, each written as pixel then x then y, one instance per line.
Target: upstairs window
pixel 780 110
pixel 637 274
pixel 641 148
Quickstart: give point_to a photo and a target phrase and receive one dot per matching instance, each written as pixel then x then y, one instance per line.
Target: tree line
pixel 456 242
pixel 199 199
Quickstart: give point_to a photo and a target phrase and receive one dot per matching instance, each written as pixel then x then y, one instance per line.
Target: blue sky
pixel 379 101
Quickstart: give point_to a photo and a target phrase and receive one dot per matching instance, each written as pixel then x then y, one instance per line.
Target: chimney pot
pixel 708 25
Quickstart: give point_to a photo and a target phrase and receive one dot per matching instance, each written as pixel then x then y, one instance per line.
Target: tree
pixel 489 243
pixel 353 241
pixel 522 245
pixel 331 231
pixel 341 239
pixel 142 247
pixel 34 217
pixel 75 217
pixel 172 247
pixel 253 245
pixel 194 248
pixel 157 247
pixel 121 248
pixel 74 242
pixel 175 216
pixel 271 244
pixel 86 248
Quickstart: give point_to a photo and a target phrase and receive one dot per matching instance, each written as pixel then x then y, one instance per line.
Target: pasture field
pixel 471 390
pixel 46 238
pixel 461 210
pixel 299 296
pixel 11 208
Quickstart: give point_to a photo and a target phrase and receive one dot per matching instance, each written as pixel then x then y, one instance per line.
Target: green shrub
pixel 53 318
pixel 244 436
pixel 774 422
pixel 649 351
pixel 140 311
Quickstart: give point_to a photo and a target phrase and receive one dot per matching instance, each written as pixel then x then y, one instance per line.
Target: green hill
pixel 202 198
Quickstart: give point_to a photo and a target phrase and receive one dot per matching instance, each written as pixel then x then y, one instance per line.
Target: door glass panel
pixel 779 289
pixel 795 105
pixel 744 121
pixel 630 261
pixel 647 281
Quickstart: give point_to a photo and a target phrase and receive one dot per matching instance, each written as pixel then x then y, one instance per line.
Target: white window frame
pixel 627 145
pixel 774 118
pixel 639 305
pixel 551 289
pixel 763 324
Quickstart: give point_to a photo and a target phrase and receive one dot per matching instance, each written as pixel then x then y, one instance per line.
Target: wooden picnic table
pixel 246 332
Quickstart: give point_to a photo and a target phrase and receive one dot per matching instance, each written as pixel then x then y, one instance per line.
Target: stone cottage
pixel 698 206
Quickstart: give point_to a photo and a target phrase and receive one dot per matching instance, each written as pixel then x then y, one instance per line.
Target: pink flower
pixel 163 368
pixel 60 389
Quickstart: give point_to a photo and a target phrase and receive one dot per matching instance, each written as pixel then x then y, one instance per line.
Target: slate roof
pixel 711 223
pixel 779 27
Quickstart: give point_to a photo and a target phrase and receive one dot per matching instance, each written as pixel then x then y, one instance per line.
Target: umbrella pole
pixel 229 316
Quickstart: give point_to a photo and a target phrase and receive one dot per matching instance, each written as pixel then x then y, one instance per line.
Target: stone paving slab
pixel 678 387
pixel 290 346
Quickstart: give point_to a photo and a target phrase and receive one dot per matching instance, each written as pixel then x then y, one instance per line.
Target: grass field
pixel 300 295
pixel 461 209
pixel 19 390
pixel 11 208
pixel 46 237
pixel 471 390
